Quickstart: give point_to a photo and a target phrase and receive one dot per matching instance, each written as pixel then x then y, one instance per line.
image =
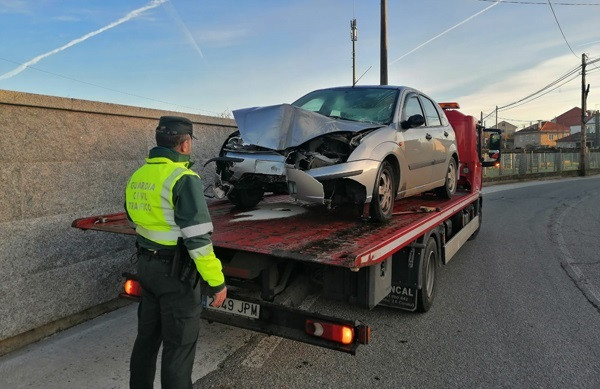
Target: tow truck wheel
pixel 245 198
pixel 449 188
pixel 382 202
pixel 428 274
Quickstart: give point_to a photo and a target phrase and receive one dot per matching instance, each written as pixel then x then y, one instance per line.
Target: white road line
pixel 267 345
pixel 262 352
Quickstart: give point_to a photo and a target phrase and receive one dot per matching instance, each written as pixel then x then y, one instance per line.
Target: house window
pixel 551 136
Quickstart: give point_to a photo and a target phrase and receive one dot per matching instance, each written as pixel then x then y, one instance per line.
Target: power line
pixel 536 95
pixel 537 2
pixel 560 28
pixel 517 120
pixel 532 99
pixel 543 94
pixel 561 78
pixel 527 99
pixel 110 89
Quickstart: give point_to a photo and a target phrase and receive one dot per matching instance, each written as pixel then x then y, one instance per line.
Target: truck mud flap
pixel 405 276
pixel 290 323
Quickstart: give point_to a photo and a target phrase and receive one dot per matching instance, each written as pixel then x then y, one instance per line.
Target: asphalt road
pixel 517 307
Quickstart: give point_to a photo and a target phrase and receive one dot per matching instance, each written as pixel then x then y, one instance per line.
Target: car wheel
pixel 382 202
pixel 429 260
pixel 451 182
pixel 246 198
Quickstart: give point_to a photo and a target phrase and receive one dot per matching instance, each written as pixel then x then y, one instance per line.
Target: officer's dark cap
pixel 175 125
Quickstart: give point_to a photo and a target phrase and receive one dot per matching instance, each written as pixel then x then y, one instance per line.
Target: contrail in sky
pixel 129 16
pixel 447 31
pixel 186 31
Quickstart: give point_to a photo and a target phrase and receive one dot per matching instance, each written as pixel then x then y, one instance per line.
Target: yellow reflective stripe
pixel 166 201
pixel 163 237
pixel 209 266
pixel 201 251
pixel 196 230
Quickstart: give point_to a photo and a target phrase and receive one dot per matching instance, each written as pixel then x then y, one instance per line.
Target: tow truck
pixel 280 252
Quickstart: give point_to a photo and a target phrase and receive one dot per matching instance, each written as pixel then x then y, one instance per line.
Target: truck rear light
pixel 133 288
pixel 335 332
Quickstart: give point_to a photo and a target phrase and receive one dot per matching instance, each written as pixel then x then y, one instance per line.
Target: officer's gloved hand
pixel 219 298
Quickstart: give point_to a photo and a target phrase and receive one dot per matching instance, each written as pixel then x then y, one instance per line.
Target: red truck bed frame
pixel 317 235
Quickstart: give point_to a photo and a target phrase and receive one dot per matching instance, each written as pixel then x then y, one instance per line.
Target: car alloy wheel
pixel 451 177
pixel 382 203
pixel 450 182
pixel 385 191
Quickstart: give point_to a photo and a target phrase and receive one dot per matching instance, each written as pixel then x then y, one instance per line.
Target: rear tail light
pixel 133 288
pixel 339 333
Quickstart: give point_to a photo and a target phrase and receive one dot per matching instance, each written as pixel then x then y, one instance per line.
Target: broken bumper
pixel 306 185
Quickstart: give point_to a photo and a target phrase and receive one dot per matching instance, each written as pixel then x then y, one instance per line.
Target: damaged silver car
pixel 337 146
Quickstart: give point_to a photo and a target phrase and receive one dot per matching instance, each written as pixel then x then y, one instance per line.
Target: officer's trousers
pixel 169 313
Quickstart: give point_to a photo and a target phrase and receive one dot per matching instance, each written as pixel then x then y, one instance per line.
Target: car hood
pixel 279 127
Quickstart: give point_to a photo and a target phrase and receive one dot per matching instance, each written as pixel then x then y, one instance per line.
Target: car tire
pixel 384 194
pixel 245 198
pixel 450 183
pixel 429 263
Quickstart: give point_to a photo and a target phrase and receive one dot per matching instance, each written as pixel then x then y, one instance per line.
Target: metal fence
pixel 533 162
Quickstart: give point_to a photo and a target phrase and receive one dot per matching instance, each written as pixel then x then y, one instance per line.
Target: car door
pixel 442 137
pixel 416 146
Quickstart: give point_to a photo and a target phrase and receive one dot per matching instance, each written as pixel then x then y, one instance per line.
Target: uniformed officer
pixel 165 202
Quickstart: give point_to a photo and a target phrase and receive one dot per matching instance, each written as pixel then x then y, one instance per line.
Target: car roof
pixel 400 88
pixel 366 87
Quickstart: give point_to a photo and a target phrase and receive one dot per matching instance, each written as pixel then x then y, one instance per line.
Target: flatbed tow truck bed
pixel 279 227
pixel 280 231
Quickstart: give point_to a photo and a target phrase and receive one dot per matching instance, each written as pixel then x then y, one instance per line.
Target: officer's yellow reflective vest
pixel 150 206
pixel 150 202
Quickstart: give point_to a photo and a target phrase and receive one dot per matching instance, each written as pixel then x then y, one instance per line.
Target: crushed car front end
pixel 317 171
pixel 306 149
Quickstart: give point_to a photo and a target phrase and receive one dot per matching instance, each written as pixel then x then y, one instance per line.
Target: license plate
pixel 235 307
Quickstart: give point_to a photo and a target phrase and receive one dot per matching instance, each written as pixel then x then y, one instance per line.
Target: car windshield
pixel 373 105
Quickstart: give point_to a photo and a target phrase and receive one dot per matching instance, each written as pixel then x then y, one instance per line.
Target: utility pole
pixel 479 137
pixel 383 42
pixel 496 117
pixel 584 92
pixel 354 38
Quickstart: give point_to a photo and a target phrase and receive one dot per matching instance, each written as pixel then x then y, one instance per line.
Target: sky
pixel 212 57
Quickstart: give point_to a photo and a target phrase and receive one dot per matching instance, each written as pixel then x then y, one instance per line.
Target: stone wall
pixel 62 159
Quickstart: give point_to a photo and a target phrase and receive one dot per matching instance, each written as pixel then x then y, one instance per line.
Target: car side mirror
pixel 413 121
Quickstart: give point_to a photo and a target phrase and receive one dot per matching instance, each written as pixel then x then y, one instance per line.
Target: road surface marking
pixel 267 345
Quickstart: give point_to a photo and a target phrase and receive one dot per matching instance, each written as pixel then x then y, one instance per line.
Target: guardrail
pixel 536 162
